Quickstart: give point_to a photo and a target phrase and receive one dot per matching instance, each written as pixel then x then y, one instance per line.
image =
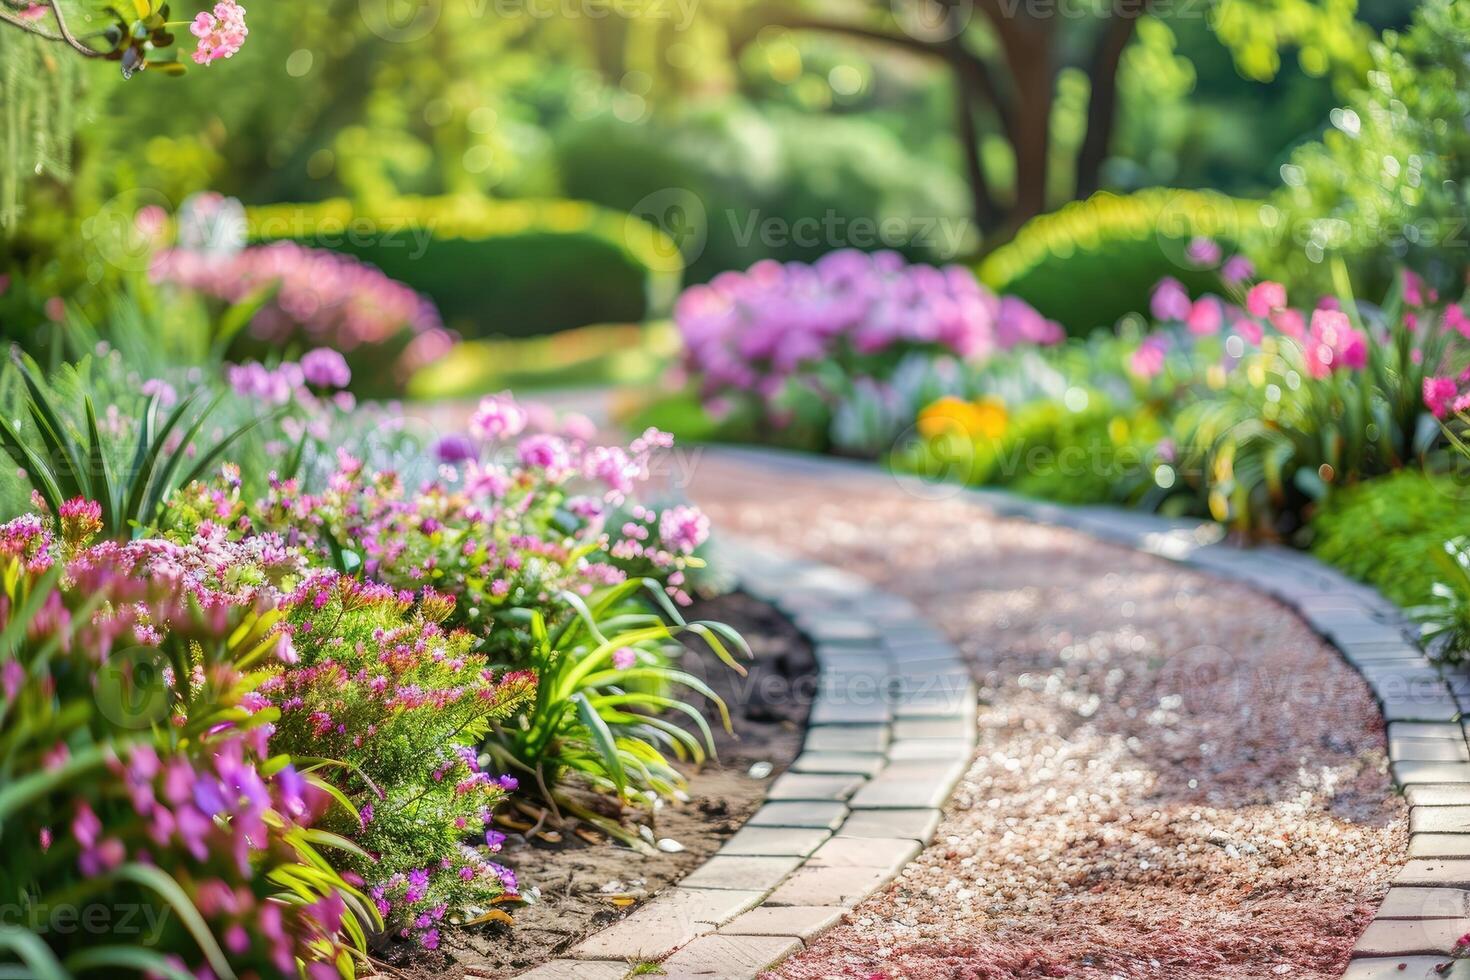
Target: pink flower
pixel 1170 301
pixel 1438 394
pixel 221 33
pixel 325 368
pixel 1455 319
pixel 498 417
pixel 624 658
pixel 544 452
pixel 1265 298
pixel 1333 344
pixel 683 529
pixel 1415 290
pixel 1147 361
pixel 1289 322
pixel 1204 252
pixel 1236 270
pixel 1205 316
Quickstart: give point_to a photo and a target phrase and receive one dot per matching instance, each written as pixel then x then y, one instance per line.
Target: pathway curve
pixel 1174 776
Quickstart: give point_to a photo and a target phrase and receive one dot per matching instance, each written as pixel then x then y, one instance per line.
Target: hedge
pixel 1094 261
pixel 497 268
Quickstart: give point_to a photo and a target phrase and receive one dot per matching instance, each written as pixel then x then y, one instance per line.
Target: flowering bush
pixel 367 676
pixel 776 331
pixel 384 328
pixel 141 788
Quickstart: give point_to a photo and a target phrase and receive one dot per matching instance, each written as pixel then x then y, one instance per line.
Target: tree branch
pixel 64 34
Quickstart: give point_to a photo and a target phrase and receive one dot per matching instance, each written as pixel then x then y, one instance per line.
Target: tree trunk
pixel 1102 106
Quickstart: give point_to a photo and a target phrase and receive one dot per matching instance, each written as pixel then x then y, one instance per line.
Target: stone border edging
pixel 890 733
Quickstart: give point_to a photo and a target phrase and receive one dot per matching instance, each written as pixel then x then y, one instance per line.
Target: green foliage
pixel 64 458
pixel 714 177
pixel 1094 261
pixel 38 93
pixel 609 720
pixel 506 268
pixel 1386 531
pixel 1386 183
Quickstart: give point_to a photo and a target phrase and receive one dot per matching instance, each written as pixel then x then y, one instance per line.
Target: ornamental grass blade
pixel 163 884
pixel 603 741
pixel 104 489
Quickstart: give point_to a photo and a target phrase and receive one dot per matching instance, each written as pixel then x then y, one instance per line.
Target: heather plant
pixel 367 676
pixel 140 787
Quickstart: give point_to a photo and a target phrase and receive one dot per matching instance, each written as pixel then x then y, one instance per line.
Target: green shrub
pixel 497 268
pixel 1093 261
pixel 716 174
pixel 1386 531
pixel 1386 184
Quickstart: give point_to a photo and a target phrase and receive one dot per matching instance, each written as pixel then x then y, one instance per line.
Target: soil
pixel 579 887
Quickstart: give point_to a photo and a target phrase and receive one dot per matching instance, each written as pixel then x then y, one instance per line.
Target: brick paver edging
pixel 891 731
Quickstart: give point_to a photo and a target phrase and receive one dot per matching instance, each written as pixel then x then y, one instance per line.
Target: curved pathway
pixel 1174 777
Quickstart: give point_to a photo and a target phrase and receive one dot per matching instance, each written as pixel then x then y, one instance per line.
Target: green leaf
pixel 603 741
pixel 131 958
pixel 32 952
pixel 169 890
pixel 106 494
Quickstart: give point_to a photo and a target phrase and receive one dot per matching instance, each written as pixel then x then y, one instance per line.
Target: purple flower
pixel 498 417
pixel 683 528
pixel 1203 252
pixel 325 368
pixel 454 448
pixel 1237 269
pixel 1170 301
pixel 624 658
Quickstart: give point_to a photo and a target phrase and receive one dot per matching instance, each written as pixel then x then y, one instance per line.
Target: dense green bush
pixel 1386 531
pixel 1093 261
pixel 713 178
pixel 496 268
pixel 1386 184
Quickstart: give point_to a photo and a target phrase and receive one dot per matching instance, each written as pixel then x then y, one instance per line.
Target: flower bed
pixel 350 667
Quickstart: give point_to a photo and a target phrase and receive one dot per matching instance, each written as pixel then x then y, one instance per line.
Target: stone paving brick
pixel 826 711
pixel 1406 773
pixel 847 738
pixel 1433 845
pixel 1425 903
pixel 1426 730
pixel 1408 968
pixel 1427 750
pixel 577 970
pixel 912 749
pixel 776 841
pixel 911 784
pixel 723 957
pixel 860 763
pixel 805 922
pixel 828 886
pixel 1440 794
pixel 1439 820
pixel 837 628
pixel 826 815
pixel 933 728
pixel 1406 937
pixel 742 872
pixel 1421 709
pixel 914 824
pixel 814 786
pixel 891 853
pixel 936 704
pixel 1434 872
pixel 665 923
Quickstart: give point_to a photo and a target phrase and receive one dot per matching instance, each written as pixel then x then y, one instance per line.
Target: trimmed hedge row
pixel 1093 261
pixel 497 268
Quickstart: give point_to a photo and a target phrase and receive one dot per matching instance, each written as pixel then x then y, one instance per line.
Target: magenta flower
pixel 1170 301
pixel 624 658
pixel 1439 393
pixel 498 417
pixel 1147 362
pixel 1332 345
pixel 1203 252
pixel 683 529
pixel 1265 298
pixel 325 368
pixel 1205 316
pixel 1236 270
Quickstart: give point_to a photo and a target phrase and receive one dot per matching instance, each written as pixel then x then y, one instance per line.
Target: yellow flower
pixel 985 419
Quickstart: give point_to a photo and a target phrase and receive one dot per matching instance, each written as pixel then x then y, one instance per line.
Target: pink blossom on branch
pixel 221 33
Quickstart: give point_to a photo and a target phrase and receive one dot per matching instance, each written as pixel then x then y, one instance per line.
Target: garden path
pixel 1175 777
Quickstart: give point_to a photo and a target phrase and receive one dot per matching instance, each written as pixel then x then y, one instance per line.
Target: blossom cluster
pixel 221 33
pixel 756 331
pixel 321 296
pixel 193 799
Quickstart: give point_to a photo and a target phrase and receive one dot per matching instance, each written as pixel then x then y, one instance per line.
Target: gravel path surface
pixel 1174 777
